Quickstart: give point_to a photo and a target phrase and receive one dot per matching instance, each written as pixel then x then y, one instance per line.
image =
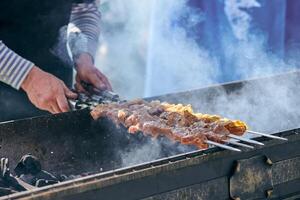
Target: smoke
pixel 151 149
pixel 140 154
pixel 268 106
pixel 123 49
pixel 175 62
pixel 250 53
pixel 157 47
pixel 154 54
pixel 239 19
pixel 152 47
pixel 60 49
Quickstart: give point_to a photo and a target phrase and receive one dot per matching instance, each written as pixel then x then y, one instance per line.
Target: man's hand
pixel 88 73
pixel 46 91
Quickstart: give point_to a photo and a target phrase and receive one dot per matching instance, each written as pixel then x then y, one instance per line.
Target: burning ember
pixel 29 175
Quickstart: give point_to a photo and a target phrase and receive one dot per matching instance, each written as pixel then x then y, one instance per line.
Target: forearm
pixel 13 68
pixel 84 29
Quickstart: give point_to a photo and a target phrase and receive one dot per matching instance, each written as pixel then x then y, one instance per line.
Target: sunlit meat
pixel 174 121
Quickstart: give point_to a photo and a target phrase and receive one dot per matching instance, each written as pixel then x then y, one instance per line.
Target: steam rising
pixel 237 16
pixel 175 62
pixel 141 154
pixel 268 106
pixel 151 150
pixel 150 53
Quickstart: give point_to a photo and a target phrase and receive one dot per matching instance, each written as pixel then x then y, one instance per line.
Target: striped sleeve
pixel 13 68
pixel 84 28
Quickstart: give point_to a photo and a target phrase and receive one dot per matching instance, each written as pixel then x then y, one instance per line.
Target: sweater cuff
pixel 13 68
pixel 24 75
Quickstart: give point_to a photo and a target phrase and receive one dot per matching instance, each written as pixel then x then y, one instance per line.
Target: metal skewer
pixel 239 144
pixel 222 146
pixel 268 135
pixel 245 139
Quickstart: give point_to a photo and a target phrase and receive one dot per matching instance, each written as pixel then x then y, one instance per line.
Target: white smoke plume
pixel 141 154
pixel 150 51
pixel 175 62
pixel 239 19
pixel 145 53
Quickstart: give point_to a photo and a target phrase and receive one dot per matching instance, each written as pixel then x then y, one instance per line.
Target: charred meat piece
pixel 175 121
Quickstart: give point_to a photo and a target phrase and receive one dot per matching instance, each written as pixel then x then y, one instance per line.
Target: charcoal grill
pixel 72 143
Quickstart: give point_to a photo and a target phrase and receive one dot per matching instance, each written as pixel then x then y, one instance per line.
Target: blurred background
pixel 153 47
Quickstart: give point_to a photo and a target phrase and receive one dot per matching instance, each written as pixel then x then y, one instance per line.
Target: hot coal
pixel 28 175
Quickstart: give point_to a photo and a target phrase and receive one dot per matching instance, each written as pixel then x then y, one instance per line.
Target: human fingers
pixel 54 108
pixel 104 80
pixel 47 103
pixel 78 86
pixel 62 103
pixel 97 82
pixel 68 93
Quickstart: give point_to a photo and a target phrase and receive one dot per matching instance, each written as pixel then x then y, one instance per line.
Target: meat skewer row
pixel 177 122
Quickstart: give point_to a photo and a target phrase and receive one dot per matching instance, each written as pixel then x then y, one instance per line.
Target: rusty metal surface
pixel 208 190
pixel 281 173
pixel 252 178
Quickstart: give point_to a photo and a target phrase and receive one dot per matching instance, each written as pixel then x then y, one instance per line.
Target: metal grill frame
pixel 195 174
pixel 70 142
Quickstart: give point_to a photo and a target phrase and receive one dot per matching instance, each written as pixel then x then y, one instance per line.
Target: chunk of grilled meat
pixel 175 121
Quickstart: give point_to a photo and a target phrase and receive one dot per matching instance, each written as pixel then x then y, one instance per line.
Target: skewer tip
pixel 222 146
pixel 267 135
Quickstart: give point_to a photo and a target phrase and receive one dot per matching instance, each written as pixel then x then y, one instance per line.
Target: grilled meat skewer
pixel 177 122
